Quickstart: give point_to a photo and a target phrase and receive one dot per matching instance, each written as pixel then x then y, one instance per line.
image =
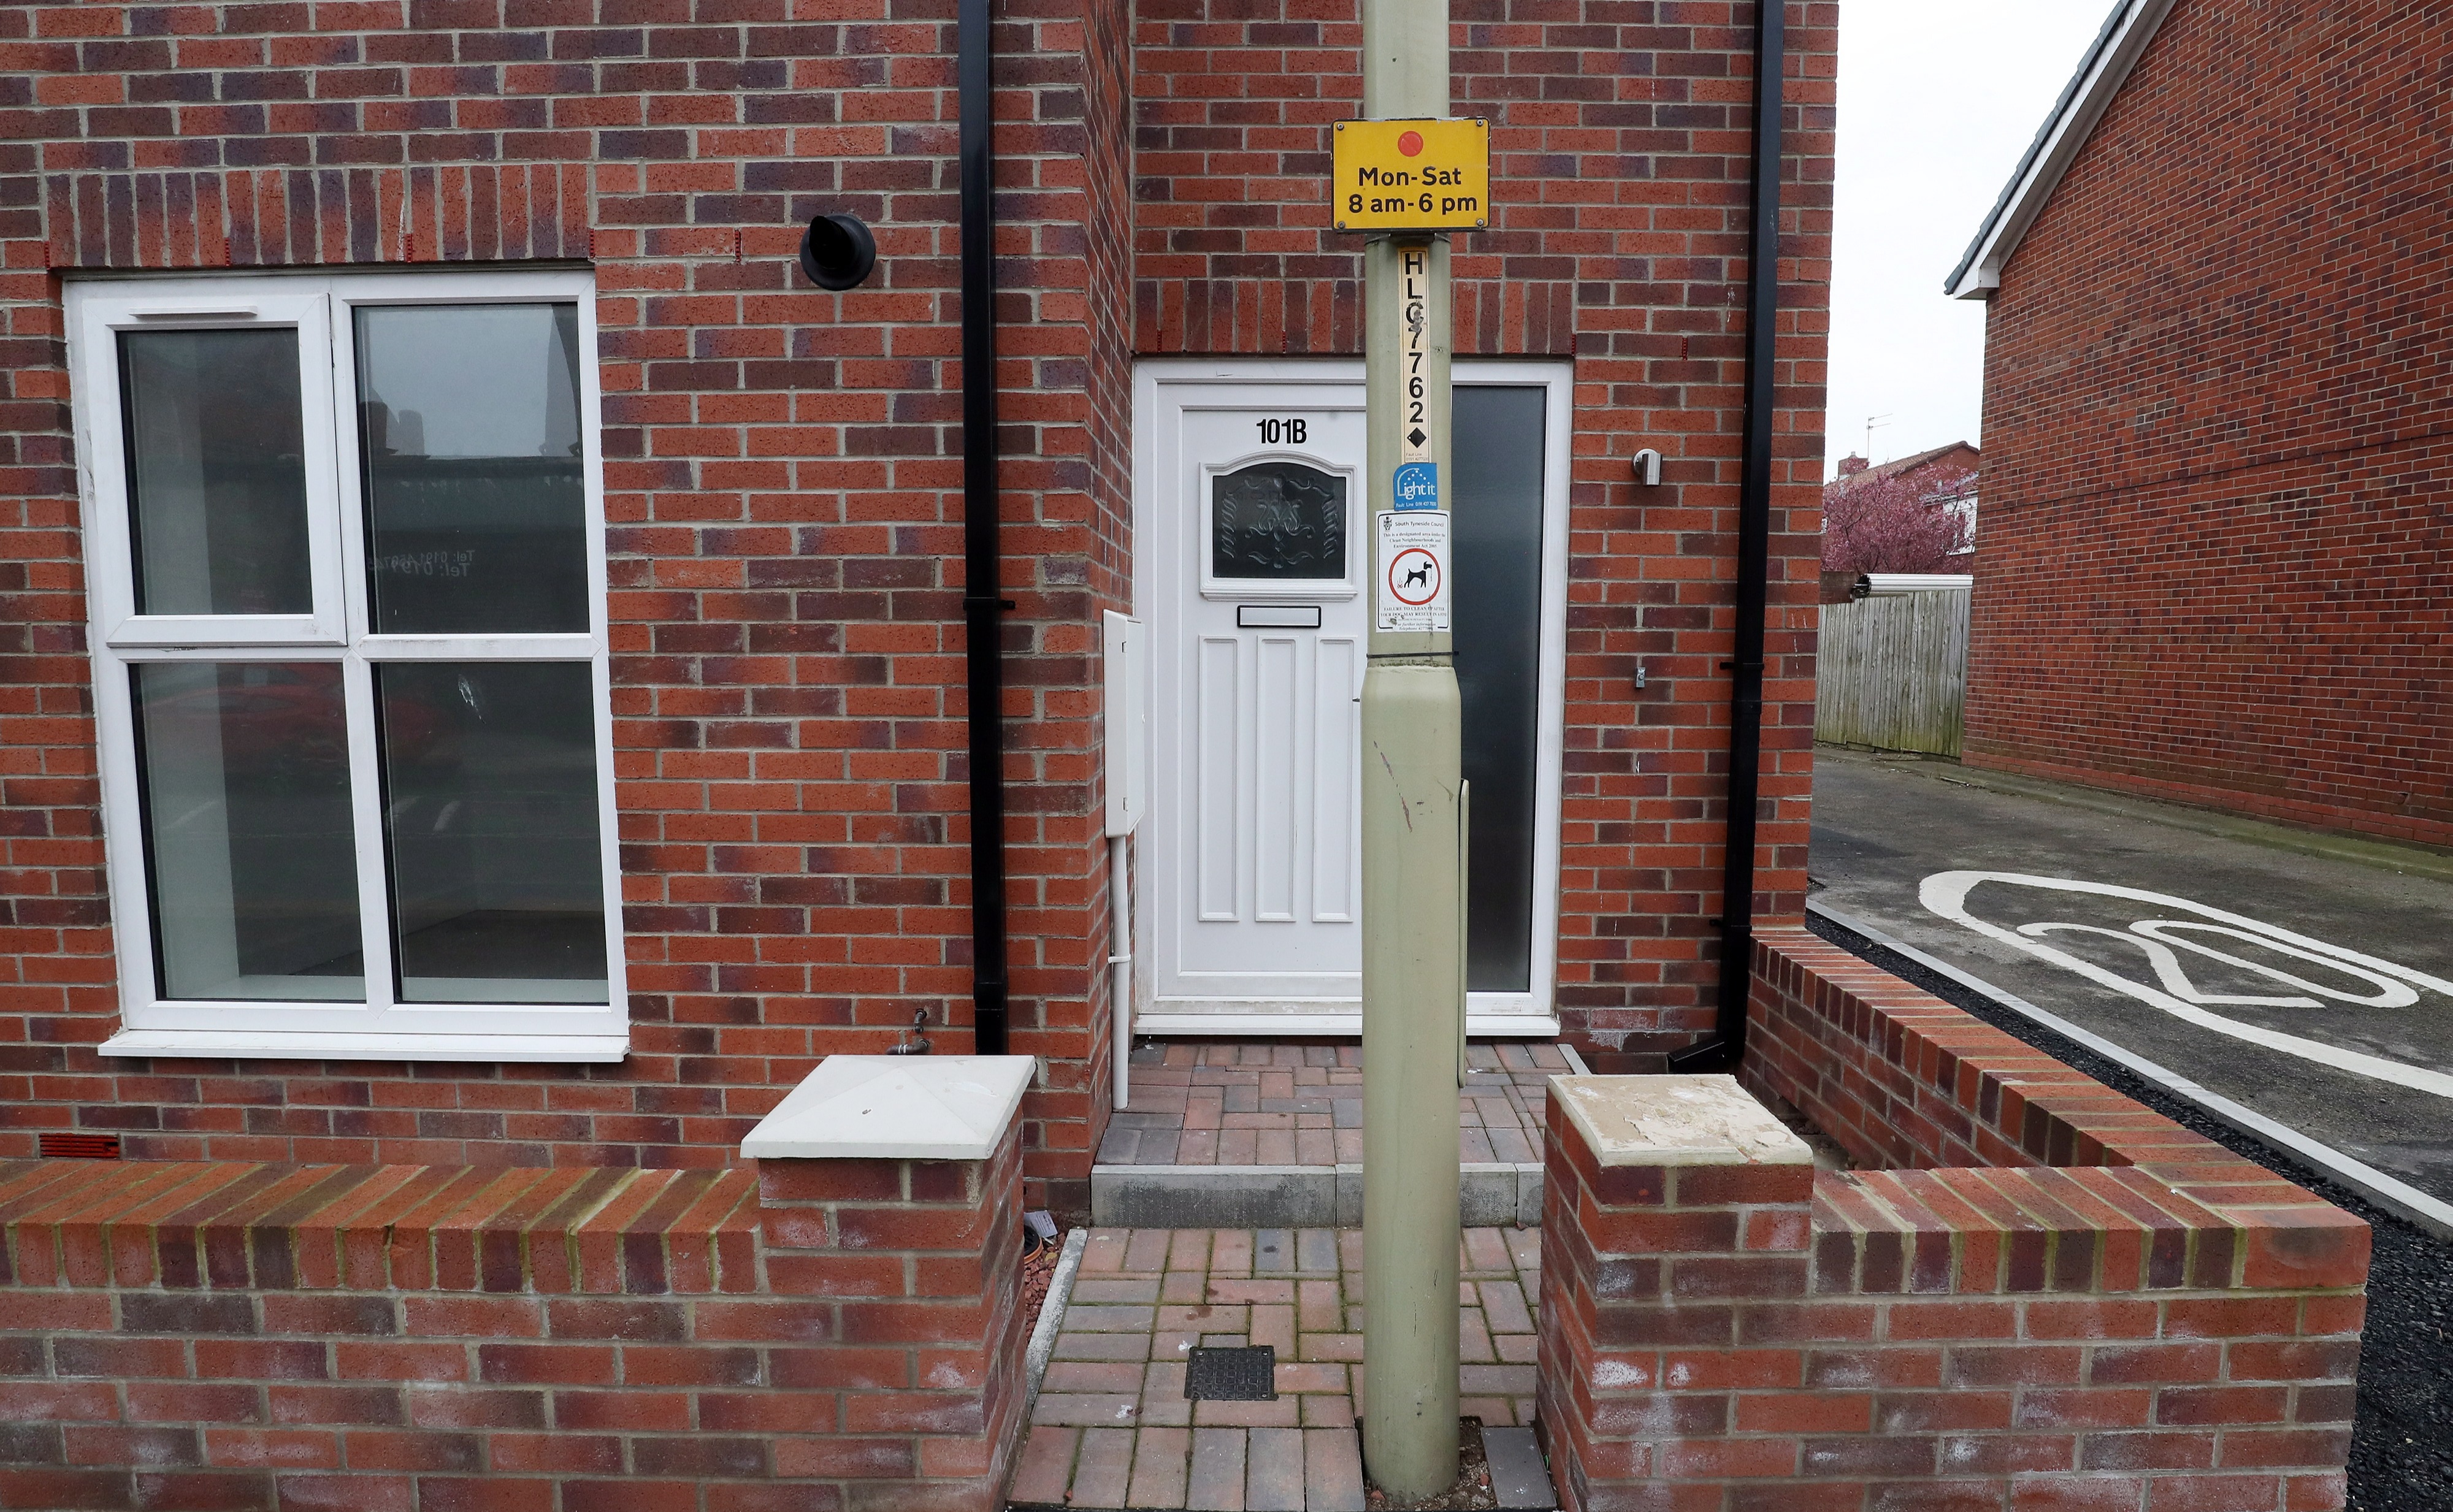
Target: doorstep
pixel 1111 1426
pixel 1253 1135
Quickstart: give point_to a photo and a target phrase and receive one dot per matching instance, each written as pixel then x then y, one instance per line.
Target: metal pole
pixel 1413 904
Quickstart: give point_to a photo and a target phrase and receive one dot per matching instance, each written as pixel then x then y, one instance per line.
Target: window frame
pixel 191 304
pixel 322 307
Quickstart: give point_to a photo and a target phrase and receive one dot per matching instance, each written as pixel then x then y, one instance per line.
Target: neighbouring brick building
pixel 484 675
pixel 2214 561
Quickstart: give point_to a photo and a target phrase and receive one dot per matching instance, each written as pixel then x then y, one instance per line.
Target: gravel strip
pixel 2402 1438
pixel 1047 1288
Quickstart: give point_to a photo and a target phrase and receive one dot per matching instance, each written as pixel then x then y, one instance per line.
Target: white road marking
pixel 1945 893
pixel 2390 994
pixel 2167 962
pixel 2395 1196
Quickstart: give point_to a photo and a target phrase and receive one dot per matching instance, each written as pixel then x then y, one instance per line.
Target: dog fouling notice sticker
pixel 1413 557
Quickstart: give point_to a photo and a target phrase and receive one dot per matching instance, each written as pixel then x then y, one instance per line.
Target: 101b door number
pixel 1281 432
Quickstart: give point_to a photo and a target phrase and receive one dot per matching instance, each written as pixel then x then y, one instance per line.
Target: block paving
pixel 1258 1104
pixel 1112 1428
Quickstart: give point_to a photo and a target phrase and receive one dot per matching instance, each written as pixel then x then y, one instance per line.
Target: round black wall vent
pixel 837 251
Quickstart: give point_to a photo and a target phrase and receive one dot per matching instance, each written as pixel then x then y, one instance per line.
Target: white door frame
pixel 1531 1013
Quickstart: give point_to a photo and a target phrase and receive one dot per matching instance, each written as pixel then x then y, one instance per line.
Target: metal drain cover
pixel 1241 1374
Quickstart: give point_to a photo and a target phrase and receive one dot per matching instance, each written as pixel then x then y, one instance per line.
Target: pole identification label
pixel 1418 475
pixel 1413 556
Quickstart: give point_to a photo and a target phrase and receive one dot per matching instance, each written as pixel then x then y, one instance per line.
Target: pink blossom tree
pixel 1896 523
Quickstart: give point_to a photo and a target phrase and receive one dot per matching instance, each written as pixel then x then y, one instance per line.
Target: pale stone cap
pixel 912 1107
pixel 1676 1121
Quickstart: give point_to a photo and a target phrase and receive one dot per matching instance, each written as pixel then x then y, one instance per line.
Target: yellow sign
pixel 1410 175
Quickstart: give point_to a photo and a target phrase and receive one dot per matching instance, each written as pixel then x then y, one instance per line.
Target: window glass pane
pixel 490 794
pixel 468 424
pixel 1278 520
pixel 1498 524
pixel 216 471
pixel 244 770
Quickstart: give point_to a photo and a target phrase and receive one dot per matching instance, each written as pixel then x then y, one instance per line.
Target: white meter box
pixel 1127 721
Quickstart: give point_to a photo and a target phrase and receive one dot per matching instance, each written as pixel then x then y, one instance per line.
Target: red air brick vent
pixel 80 1146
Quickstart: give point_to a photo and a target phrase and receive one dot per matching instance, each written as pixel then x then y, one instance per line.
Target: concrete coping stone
pixel 1676 1121
pixel 916 1107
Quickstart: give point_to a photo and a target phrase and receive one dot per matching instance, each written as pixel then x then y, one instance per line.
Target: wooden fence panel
pixel 1893 672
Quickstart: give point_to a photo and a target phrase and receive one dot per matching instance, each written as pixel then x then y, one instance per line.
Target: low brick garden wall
pixel 819 1335
pixel 2039 1295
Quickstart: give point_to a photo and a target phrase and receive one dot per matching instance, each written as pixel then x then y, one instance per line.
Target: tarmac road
pixel 2315 988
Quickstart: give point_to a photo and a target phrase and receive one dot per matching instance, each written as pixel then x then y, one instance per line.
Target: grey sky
pixel 1937 100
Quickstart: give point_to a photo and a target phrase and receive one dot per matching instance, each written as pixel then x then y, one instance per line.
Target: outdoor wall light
pixel 837 251
pixel 1648 462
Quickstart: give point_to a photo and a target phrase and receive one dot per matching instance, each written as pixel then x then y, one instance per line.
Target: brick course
pixel 2211 566
pixel 2060 1300
pixel 817 1334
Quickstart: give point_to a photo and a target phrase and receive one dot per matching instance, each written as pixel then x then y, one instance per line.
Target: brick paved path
pixel 1112 1427
pixel 1258 1104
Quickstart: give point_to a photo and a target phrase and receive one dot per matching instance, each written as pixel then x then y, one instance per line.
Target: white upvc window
pixel 346 561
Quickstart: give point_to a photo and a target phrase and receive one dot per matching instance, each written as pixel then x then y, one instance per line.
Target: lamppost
pixel 1413 795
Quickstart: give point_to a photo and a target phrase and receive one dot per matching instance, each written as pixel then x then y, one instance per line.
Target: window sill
pixel 271 1044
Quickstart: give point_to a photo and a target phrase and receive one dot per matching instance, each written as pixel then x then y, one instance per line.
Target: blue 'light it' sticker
pixel 1418 485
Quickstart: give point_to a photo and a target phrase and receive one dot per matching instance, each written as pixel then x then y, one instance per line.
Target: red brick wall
pixel 2217 389
pixel 783 482
pixel 822 1334
pixel 1619 143
pixel 2070 1303
pixel 1105 492
pixel 1903 1080
pixel 1916 1088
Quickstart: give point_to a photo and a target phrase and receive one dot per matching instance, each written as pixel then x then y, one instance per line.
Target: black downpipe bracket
pixel 982 605
pixel 1728 1042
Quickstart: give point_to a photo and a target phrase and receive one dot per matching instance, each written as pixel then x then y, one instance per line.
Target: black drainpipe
pixel 982 605
pixel 1728 1041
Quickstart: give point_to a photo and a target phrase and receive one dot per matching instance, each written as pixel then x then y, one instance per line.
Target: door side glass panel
pixel 476 504
pixel 216 471
pixel 244 771
pixel 489 805
pixel 1278 520
pixel 1498 524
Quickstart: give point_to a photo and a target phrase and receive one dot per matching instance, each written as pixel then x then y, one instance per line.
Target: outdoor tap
pixel 915 1042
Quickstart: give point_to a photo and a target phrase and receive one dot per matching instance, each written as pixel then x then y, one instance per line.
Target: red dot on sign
pixel 1410 144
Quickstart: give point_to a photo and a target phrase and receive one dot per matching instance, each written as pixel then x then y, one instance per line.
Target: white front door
pixel 1257 646
pixel 1251 566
